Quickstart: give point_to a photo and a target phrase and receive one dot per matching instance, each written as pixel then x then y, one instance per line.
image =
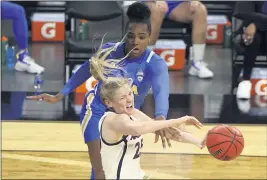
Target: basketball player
pixel 16 13
pixel 143 67
pixel 121 130
pixel 122 127
pixel 188 12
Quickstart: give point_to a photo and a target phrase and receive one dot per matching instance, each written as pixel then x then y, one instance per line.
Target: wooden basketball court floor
pixel 55 150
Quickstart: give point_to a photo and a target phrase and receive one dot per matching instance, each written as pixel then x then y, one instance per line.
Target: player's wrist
pixel 59 96
pixel 160 117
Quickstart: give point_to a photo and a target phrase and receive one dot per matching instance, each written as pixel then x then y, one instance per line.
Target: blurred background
pixel 42 140
pixel 68 41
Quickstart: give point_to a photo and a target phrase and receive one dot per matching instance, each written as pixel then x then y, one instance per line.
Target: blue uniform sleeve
pixel 160 85
pixel 80 76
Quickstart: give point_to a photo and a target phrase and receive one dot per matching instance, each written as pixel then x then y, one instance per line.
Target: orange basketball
pixel 225 142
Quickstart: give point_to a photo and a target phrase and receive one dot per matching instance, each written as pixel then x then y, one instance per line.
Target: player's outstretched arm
pixel 174 133
pixel 122 123
pixel 81 75
pixel 187 137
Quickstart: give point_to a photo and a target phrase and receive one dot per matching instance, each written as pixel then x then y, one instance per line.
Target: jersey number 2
pixel 138 146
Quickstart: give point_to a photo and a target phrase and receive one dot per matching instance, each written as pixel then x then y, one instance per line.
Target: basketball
pixel 225 142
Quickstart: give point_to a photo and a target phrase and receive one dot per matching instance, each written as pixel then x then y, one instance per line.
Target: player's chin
pixel 135 54
pixel 129 110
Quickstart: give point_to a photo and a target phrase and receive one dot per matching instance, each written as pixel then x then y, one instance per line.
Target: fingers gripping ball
pixel 225 142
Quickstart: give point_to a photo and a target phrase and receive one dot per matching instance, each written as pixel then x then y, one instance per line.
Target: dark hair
pixel 139 13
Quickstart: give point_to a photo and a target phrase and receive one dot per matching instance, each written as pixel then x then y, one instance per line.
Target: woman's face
pixel 137 39
pixel 122 101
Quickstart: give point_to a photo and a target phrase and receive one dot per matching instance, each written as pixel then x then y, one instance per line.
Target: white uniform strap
pixel 115 48
pixel 101 120
pixel 150 56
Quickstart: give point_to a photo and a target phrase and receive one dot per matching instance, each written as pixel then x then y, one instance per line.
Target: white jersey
pixel 121 160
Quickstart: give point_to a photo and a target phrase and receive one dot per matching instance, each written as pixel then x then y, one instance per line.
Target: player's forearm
pixel 141 128
pixel 186 137
pixel 161 95
pixel 81 75
pixel 59 96
pixel 161 104
pixel 144 124
pixel 143 117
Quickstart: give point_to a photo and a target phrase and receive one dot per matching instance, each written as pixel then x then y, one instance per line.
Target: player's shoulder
pixel 112 116
pixel 156 59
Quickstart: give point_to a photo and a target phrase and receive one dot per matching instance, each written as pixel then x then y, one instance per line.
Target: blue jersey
pixel 147 71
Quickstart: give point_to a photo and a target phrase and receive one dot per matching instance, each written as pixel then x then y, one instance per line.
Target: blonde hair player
pixel 122 127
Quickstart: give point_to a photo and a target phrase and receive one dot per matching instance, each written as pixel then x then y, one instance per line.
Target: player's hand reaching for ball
pixel 47 98
pixel 173 133
pixel 162 133
pixel 190 120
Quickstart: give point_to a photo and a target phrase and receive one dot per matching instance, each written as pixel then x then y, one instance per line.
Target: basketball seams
pixel 218 144
pixel 235 149
pixel 227 136
pixel 229 146
pixel 232 132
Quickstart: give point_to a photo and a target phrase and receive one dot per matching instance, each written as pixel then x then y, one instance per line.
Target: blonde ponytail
pixel 100 67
